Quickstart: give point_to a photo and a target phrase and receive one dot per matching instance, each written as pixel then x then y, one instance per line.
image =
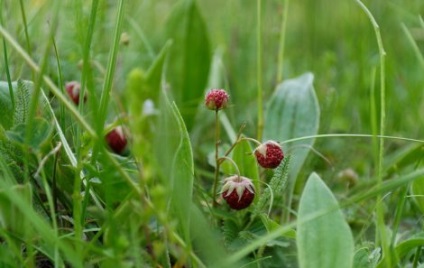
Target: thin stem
pixel 6 63
pixel 417 256
pixel 380 226
pixel 335 135
pixel 24 20
pixel 250 139
pixel 259 71
pixel 222 159
pixel 282 42
pixel 217 161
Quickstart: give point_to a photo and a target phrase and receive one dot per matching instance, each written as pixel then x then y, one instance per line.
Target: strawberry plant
pixel 219 133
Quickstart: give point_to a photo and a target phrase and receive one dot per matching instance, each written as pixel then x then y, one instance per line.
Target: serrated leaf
pixel 6 106
pixel 276 186
pixel 230 230
pixel 23 98
pixel 362 259
pixel 39 135
pixel 324 238
pixel 293 112
pixel 189 59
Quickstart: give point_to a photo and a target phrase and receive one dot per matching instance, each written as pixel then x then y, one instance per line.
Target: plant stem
pixel 217 160
pixel 222 159
pixel 380 226
pixel 343 135
pixel 282 42
pixel 259 71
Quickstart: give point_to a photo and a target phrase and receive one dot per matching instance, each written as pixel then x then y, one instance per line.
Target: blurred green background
pixel 333 39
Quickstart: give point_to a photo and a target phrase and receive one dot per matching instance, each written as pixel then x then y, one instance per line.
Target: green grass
pixel 351 130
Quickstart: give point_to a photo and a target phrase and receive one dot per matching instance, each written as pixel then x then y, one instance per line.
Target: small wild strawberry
pixel 73 88
pixel 269 154
pixel 238 191
pixel 216 99
pixel 116 140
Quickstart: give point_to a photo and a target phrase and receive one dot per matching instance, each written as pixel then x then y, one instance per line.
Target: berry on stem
pixel 73 88
pixel 216 99
pixel 238 192
pixel 269 154
pixel 116 140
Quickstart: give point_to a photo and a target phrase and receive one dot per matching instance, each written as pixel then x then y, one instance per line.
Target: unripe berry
pixel 116 140
pixel 238 192
pixel 216 99
pixel 73 88
pixel 269 154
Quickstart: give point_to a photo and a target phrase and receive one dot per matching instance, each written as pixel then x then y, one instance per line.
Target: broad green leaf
pixel 324 239
pixel 190 58
pixel 183 175
pixel 207 244
pixel 40 133
pixel 11 219
pixel 6 106
pixel 293 112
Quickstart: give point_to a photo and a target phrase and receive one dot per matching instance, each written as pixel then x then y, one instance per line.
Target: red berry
pixel 73 88
pixel 238 191
pixel 269 154
pixel 216 99
pixel 116 140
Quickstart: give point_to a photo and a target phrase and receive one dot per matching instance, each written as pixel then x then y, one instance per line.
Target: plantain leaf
pixel 293 112
pixel 189 59
pixel 40 133
pixel 324 239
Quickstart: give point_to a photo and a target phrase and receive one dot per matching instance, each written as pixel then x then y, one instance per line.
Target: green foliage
pixel 66 200
pixel 293 112
pixel 324 238
pixel 190 57
pixel 183 176
pixel 276 186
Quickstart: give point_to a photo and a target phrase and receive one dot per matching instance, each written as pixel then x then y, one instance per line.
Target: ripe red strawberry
pixel 238 191
pixel 116 140
pixel 73 88
pixel 216 99
pixel 269 154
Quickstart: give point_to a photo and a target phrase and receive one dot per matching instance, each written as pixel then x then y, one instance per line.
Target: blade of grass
pixel 282 42
pixel 259 69
pixel 6 67
pixel 107 87
pixel 54 89
pixel 381 237
pixel 414 45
